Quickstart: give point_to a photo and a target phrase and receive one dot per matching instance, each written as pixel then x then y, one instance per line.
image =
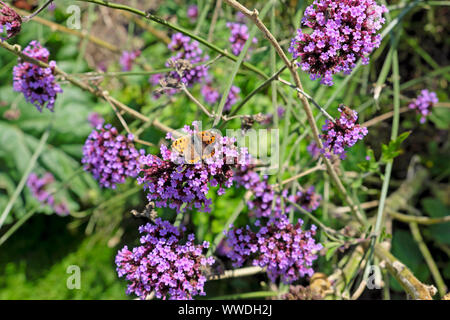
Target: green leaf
pixel 440 117
pixel 332 247
pixel 436 209
pixel 391 151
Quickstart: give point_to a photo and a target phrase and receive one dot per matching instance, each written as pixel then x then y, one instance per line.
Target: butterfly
pixel 197 146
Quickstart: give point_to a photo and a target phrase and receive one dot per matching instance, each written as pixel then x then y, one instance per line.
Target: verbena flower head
pixel 189 50
pixel 265 202
pixel 40 189
pixel 307 199
pixel 313 150
pixel 210 94
pixel 127 59
pixel 192 13
pixel 10 22
pixel 163 264
pixel 284 249
pixel 95 119
pixel 239 35
pixel 37 84
pixel 232 98
pixel 173 182
pixel 188 53
pixel 342 133
pixel 423 103
pixel 110 156
pixel 341 32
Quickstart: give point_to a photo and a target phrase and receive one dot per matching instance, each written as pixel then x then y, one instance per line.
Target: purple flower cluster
pixel 110 156
pixel 313 150
pixel 127 59
pixel 342 32
pixel 232 98
pixel 95 119
pixel 40 189
pixel 423 103
pixel 262 203
pixel 210 94
pixel 10 22
pixel 307 199
pixel 163 264
pixel 192 13
pixel 266 202
pixel 188 50
pixel 37 84
pixel 342 133
pixel 239 35
pixel 173 182
pixel 284 249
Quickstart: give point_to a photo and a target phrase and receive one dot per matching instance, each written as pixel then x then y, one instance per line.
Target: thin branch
pixel 25 175
pixel 415 219
pixel 35 13
pixel 324 112
pixel 243 272
pixel 214 19
pixel 442 288
pixel 415 289
pixel 304 173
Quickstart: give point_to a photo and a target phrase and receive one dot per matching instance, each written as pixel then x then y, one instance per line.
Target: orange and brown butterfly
pixel 197 146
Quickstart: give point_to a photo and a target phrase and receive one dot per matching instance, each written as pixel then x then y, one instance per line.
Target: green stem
pixel 17 225
pixel 442 288
pixel 388 169
pixel 237 65
pixel 248 295
pixel 229 222
pixel 25 175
